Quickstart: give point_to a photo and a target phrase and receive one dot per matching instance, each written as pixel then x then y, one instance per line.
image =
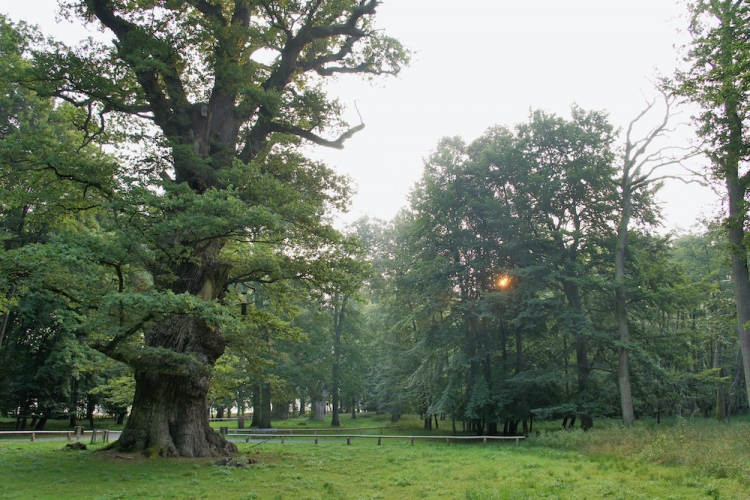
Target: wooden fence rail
pixel 338 431
pixel 349 437
pixel 77 434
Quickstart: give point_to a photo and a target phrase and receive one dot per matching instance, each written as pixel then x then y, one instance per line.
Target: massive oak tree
pixel 218 94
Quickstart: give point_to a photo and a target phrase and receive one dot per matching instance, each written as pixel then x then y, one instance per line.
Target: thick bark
pixel 169 409
pixel 166 417
pixel 623 371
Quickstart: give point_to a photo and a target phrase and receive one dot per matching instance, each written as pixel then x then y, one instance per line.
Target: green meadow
pixel 680 459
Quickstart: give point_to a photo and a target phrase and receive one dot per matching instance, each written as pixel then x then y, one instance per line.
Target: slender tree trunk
pixel 302 407
pixel 623 371
pixel 73 408
pixel 720 408
pixel 339 311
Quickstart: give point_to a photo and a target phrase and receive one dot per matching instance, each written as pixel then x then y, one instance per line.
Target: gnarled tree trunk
pixel 169 410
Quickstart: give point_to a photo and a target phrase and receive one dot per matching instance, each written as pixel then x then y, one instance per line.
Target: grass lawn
pixel 680 460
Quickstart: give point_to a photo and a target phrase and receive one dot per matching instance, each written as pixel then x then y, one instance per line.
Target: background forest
pixel 527 279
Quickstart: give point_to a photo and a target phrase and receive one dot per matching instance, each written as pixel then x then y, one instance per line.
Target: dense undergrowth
pixel 720 450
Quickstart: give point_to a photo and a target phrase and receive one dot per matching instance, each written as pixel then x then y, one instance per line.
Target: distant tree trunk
pixel 573 295
pixel 257 410
pixel 623 373
pixel 453 425
pixel 436 422
pixel 121 417
pixel 354 409
pixel 339 311
pixel 319 407
pixel 90 407
pixel 41 423
pixel 4 322
pixel 395 417
pixel 265 403
pixel 73 408
pixel 658 411
pixel 301 407
pixel 492 428
pixel 720 409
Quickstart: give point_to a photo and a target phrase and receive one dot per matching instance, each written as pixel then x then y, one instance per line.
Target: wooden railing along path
pixel 448 439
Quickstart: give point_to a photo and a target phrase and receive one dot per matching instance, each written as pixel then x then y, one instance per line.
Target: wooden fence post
pixel 224 431
pixel 33 438
pixel 70 438
pixel 348 440
pixel 93 436
pixel 412 440
pixel 379 438
pixel 484 440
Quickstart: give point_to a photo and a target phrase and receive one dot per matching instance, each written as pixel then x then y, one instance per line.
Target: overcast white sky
pixel 481 62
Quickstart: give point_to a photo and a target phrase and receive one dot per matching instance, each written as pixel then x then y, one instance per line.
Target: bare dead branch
pixel 305 134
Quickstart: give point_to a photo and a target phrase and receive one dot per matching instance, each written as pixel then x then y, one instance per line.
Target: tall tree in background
pixel 230 88
pixel 717 81
pixel 644 160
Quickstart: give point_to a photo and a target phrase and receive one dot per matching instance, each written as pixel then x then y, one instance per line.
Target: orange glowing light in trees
pixel 503 282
